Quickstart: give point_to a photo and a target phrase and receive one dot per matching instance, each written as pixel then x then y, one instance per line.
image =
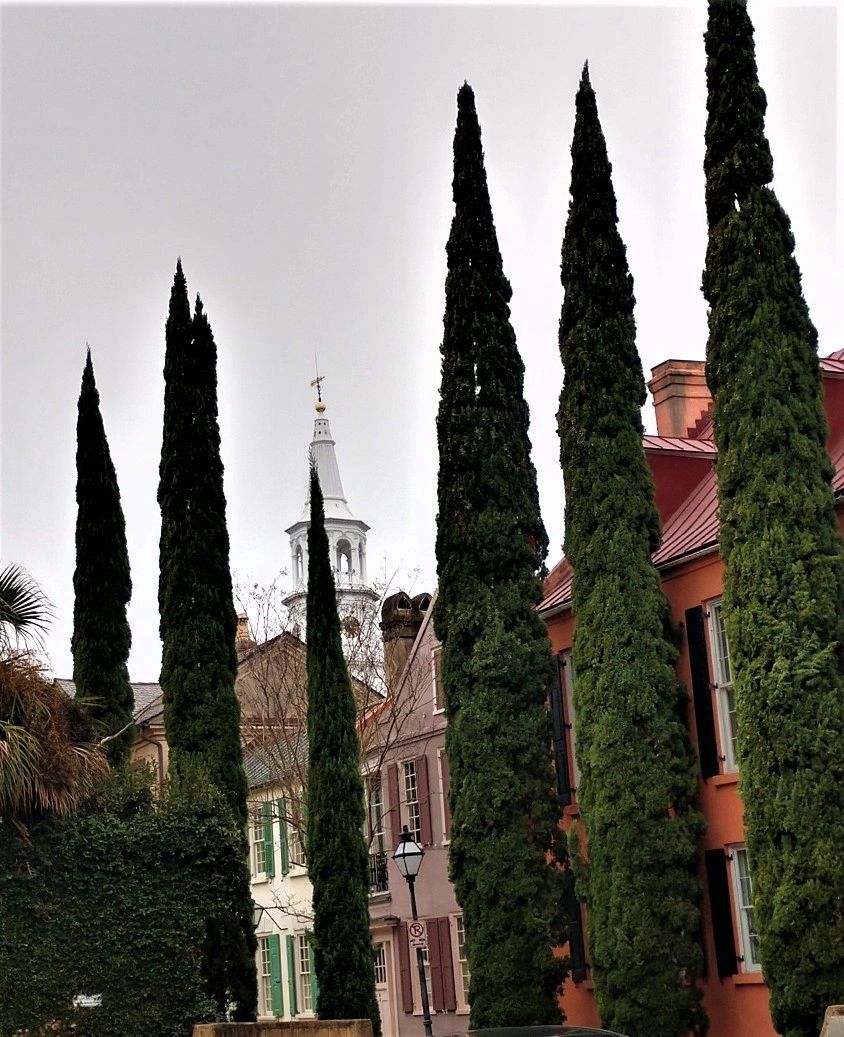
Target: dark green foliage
pixel 638 777
pixel 338 864
pixel 783 603
pixel 113 901
pixel 101 581
pixel 201 710
pixel 496 657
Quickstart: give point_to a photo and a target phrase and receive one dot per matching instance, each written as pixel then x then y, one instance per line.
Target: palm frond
pixel 24 608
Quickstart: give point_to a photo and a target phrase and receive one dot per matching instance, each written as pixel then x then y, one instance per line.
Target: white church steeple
pixel 346 535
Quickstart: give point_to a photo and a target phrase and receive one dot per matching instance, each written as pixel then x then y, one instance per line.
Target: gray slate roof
pixel 147 696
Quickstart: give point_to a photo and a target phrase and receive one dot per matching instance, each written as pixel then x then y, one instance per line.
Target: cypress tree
pixel 201 710
pixel 338 863
pixel 784 583
pixel 101 581
pixel 638 778
pixel 496 664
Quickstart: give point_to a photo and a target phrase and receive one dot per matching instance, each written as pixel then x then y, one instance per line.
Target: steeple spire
pixel 346 534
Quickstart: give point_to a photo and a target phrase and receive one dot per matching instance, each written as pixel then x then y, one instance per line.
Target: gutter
pixel 672 563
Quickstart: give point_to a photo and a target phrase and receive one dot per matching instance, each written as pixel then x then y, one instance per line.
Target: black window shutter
pixel 561 749
pixel 701 693
pixel 577 950
pixel 722 912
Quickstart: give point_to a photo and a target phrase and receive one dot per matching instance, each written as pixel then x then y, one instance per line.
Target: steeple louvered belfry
pixel 346 537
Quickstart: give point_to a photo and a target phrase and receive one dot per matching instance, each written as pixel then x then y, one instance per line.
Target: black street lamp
pixel 408 857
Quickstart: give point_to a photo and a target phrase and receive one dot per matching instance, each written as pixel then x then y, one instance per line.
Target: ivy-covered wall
pixel 114 902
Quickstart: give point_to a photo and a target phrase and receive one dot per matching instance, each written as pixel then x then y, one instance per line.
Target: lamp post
pixel 408 857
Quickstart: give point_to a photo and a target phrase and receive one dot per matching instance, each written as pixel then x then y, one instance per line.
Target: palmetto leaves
pixel 24 610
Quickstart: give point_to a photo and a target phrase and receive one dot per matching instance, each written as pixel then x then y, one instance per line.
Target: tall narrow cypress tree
pixel 638 780
pixel 784 584
pixel 201 710
pixel 101 581
pixel 337 856
pixel 496 656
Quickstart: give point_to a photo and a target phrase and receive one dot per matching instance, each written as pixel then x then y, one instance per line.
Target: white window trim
pixel 436 653
pixel 303 1013
pixel 746 962
pixel 726 750
pixel 264 979
pixel 444 829
pixel 256 826
pixel 404 805
pixel 414 980
pixel 462 1001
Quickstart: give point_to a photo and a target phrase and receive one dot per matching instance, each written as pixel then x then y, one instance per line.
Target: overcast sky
pixel 298 158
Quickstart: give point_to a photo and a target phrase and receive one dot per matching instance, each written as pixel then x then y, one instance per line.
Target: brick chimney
pixel 680 395
pixel 401 618
pixel 242 640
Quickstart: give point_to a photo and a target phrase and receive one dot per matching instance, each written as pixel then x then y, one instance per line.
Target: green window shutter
pixel 274 941
pixel 282 836
pixel 291 975
pixel 269 854
pixel 314 980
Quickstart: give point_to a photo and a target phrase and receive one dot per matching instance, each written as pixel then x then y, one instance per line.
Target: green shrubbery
pixel 115 901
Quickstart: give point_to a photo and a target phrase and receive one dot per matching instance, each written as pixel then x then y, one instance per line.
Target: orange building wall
pixel 737 1005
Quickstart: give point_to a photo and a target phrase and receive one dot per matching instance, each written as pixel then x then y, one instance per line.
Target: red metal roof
pixel 837 455
pixel 834 363
pixel 693 527
pixel 677 445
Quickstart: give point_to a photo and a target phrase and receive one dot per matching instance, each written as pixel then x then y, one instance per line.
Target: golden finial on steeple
pixel 319 406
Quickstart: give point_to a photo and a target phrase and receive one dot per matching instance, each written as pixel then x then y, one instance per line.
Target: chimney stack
pixel 680 396
pixel 401 618
pixel 242 640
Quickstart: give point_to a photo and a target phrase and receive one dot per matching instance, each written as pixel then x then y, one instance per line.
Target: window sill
pixel 380 898
pixel 742 979
pixel 438 711
pixel 722 780
pixel 259 880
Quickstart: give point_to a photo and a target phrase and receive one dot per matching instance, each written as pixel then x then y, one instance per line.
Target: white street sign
pixel 416 936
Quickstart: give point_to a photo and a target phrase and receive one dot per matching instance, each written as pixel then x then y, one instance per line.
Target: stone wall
pixel 296 1028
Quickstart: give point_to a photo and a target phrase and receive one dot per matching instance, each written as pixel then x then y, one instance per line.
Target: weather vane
pixel 320 378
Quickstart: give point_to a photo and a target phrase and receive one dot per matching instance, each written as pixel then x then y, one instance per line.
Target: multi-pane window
pixel 303 973
pixel 259 853
pixel 380 965
pixel 376 837
pixel 412 814
pixel 723 685
pixel 265 1000
pixel 296 844
pixel 375 810
pixel 295 830
pixel 743 887
pixel 462 963
pixel 427 964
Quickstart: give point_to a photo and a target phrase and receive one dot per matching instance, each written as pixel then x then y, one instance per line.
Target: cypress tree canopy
pixel 101 581
pixel 201 710
pixel 638 780
pixel 338 863
pixel 784 586
pixel 496 657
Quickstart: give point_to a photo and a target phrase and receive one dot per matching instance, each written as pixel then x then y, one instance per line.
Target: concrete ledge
pixel 295 1028
pixel 833 1023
